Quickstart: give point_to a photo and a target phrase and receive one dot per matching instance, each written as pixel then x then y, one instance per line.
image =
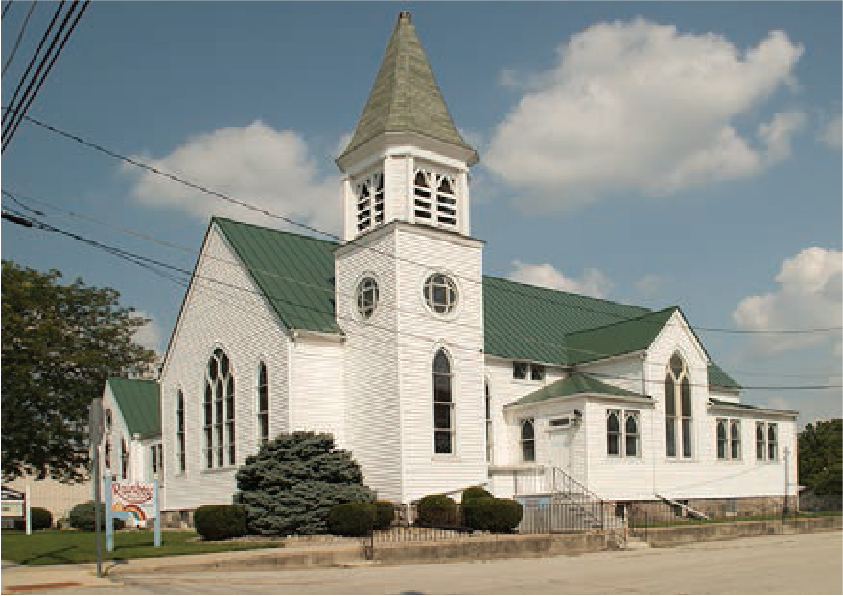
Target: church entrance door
pixel 560 449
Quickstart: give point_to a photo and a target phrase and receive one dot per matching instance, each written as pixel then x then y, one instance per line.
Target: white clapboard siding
pixel 232 316
pixel 317 386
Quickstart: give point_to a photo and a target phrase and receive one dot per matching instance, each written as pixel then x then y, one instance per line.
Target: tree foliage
pixel 821 457
pixel 291 484
pixel 60 342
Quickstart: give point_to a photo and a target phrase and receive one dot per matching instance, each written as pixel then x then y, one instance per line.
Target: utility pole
pixel 95 431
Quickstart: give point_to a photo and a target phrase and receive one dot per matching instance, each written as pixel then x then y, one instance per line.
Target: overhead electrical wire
pixel 17 111
pixel 18 197
pixel 147 262
pixel 20 36
pixel 6 8
pixel 266 212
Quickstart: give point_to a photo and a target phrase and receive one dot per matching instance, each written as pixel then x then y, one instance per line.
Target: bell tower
pixel 406 160
pixel 408 287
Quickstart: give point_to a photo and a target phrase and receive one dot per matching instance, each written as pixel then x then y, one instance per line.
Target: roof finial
pixel 404 15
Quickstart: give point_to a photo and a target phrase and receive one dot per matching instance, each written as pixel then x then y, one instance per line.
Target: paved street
pixel 791 564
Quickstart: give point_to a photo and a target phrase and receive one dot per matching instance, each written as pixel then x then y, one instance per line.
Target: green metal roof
pixel 405 96
pixel 295 273
pixel 617 338
pixel 717 377
pixel 525 322
pixel 731 404
pixel 139 404
pixel 521 322
pixel 577 383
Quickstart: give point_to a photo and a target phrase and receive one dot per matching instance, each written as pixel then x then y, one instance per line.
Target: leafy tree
pixel 60 342
pixel 292 483
pixel 821 457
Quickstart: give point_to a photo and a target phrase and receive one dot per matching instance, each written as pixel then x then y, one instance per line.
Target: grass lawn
pixel 53 547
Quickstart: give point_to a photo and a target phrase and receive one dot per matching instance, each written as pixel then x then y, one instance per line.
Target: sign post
pixel 156 524
pixel 95 436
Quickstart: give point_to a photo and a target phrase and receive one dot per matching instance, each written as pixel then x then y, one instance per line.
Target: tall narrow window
pixel 263 404
pixel 613 432
pixel 772 441
pixel 443 405
pixel 760 441
pixel 422 203
pixel 107 450
pixel 124 459
pixel 728 439
pixel 488 404
pixel 180 453
pixel 219 412
pixel 370 201
pixel 528 440
pixel 677 409
pixel 632 437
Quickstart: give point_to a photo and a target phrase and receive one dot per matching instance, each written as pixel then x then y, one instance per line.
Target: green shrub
pixel 352 519
pixel 219 522
pixel 42 519
pixel 82 517
pixel 384 515
pixel 492 515
pixel 436 510
pixel 475 492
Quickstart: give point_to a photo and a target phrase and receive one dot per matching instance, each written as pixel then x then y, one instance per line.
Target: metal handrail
pixel 567 478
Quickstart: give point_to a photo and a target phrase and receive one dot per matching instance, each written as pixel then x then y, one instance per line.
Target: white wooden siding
pixel 234 316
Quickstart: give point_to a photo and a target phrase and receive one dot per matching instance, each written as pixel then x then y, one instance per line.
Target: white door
pixel 560 450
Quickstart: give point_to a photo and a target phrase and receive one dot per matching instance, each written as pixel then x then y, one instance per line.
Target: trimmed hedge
pixel 82 517
pixel 475 492
pixel 42 519
pixel 492 515
pixel 219 522
pixel 436 510
pixel 357 519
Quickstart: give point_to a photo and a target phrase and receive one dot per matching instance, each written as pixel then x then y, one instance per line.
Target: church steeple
pixel 406 160
pixel 405 96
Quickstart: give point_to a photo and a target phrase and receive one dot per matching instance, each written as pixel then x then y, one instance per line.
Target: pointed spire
pixel 405 96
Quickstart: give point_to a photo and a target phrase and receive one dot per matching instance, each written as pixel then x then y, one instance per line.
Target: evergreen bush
pixel 291 484
pixel 82 517
pixel 42 519
pixel 219 522
pixel 475 492
pixel 352 519
pixel 436 510
pixel 491 514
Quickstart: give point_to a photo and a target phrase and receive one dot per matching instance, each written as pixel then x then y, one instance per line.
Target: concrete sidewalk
pixel 26 579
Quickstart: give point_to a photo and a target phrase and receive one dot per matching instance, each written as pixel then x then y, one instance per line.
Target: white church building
pixel 433 375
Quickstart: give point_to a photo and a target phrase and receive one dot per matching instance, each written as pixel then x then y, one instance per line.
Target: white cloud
pixel 809 296
pixel 832 133
pixel 592 283
pixel 650 285
pixel 254 164
pixel 150 335
pixel 637 106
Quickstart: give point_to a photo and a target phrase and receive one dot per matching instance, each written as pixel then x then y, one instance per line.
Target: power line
pixel 34 86
pixel 20 36
pixel 333 291
pixel 511 289
pixel 147 262
pixel 6 8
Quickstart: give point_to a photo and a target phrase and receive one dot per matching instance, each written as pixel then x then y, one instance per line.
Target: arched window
pixel 528 440
pixel 180 451
pixel 443 404
pixel 722 439
pixel 613 432
pixel 632 435
pixel 219 411
pixel 434 198
pixel 623 434
pixel 107 450
pixel 263 404
pixel 677 408
pixel 488 404
pixel 370 205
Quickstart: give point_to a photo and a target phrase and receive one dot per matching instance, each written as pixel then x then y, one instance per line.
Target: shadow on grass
pixel 52 554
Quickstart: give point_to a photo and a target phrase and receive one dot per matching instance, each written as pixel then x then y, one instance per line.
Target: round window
pixel 367 297
pixel 440 293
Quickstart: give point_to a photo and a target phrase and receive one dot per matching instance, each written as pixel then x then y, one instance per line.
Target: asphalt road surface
pixel 790 564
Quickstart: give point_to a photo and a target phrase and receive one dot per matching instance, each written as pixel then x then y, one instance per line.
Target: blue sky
pixel 653 153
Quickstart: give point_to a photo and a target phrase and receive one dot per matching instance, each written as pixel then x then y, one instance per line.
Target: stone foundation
pixel 717 508
pixel 181 519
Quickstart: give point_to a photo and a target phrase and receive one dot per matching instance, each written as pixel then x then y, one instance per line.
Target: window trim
pixel 181 457
pixel 218 404
pixel 369 210
pixel 524 441
pixel 622 434
pixel 524 370
pixel 262 414
pixel 440 404
pixel 452 294
pixel 487 404
pixel 365 311
pixel 681 420
pixel 729 443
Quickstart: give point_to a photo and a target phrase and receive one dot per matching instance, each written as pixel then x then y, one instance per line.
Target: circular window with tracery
pixel 367 297
pixel 440 293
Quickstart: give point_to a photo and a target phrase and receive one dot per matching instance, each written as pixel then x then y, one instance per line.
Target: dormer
pixel 406 160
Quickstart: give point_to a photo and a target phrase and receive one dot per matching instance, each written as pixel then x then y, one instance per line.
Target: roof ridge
pixel 629 320
pixel 118 378
pixel 574 294
pixel 220 218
